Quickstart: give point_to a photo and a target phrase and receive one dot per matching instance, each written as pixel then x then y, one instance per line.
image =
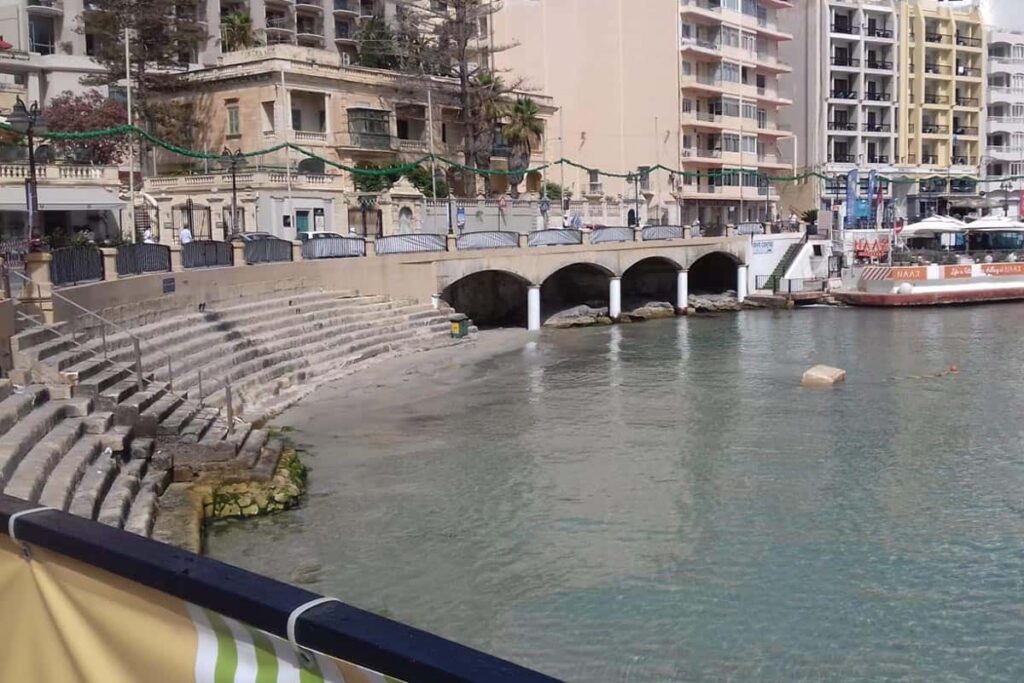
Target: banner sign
pixel 852 180
pixel 867 248
pixel 69 621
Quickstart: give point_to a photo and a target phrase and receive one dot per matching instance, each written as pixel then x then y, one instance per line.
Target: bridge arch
pixel 714 273
pixel 575 284
pixel 654 278
pixel 491 298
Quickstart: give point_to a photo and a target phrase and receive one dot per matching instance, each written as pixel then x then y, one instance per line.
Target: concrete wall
pixel 766 252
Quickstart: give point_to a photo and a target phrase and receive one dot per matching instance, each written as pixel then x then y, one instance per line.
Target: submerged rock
pixel 715 302
pixel 577 316
pixel 653 310
pixel 823 376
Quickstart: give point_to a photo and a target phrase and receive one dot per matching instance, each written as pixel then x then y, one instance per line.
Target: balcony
pixel 843 94
pixel 281 24
pixel 967 41
pixel 842 158
pixel 846 61
pixel 935 37
pixel 877 96
pixel 963 187
pixel 929 158
pixel 349 8
pixel 934 68
pixel 961 160
pixel 843 126
pixel 879 159
pixel 934 98
pixel 846 29
pixel 314 6
pixel 966 101
pixel 877 128
pixel 694 153
pixel 878 33
pixel 343 33
pixel 968 71
pixel 50 8
pixel 934 129
pixel 883 64
pixel 968 131
pixel 708 45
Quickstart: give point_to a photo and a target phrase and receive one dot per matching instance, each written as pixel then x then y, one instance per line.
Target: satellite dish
pixel 311 167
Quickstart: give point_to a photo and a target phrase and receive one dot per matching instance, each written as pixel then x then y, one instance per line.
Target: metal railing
pixel 74 265
pixel 557 237
pixel 410 244
pixel 206 254
pixel 333 247
pixel 607 235
pixel 136 259
pixel 270 250
pixel 487 240
pixel 654 233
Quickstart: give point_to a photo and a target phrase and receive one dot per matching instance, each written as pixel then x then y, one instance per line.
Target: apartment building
pixel 942 110
pixel 690 84
pixel 894 87
pixel 1005 122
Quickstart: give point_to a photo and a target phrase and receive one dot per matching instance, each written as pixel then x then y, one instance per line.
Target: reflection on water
pixel 663 502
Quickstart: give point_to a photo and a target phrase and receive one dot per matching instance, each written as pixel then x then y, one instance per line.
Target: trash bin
pixel 460 325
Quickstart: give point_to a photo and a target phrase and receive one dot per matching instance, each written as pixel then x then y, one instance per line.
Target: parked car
pixel 251 237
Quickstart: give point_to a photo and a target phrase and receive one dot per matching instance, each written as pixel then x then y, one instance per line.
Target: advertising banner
pixel 65 620
pixel 852 180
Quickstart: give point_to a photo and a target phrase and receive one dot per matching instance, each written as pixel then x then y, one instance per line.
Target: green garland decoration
pixel 400 169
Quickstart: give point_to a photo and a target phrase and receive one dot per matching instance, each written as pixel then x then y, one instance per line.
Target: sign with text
pixel 871 248
pixel 764 247
pixel 1003 268
pixel 954 272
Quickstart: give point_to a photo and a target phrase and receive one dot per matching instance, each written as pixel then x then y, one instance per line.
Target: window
pixel 645 178
pixel 296 119
pixel 750 144
pixel 369 128
pixel 268 117
pixel 749 111
pixel 444 132
pixel 234 119
pixel 730 106
pixel 730 72
pixel 730 142
pixel 729 37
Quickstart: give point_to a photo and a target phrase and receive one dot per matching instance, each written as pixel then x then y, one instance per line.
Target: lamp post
pixel 29 121
pixel 232 161
pixel 634 179
pixel 1006 186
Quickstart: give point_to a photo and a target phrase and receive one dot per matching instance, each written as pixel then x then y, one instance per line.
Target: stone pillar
pixel 741 283
pixel 109 263
pixel 682 290
pixel 370 247
pixel 176 265
pixel 435 301
pixel 238 253
pixel 533 308
pixel 524 240
pixel 687 232
pixel 37 297
pixel 453 243
pixel 297 250
pixel 615 298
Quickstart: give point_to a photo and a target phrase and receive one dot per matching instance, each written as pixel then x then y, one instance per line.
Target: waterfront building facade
pixel 894 88
pixel 1005 120
pixel 693 85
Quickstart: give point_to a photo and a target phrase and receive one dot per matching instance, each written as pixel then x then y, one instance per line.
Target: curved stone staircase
pixel 78 434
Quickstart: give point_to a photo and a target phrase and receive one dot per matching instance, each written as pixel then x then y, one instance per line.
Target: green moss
pixel 250 499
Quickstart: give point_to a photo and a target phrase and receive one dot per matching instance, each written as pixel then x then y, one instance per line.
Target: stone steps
pixel 18 405
pixel 62 482
pixel 118 499
pixel 19 439
pixel 144 509
pixel 30 477
pixel 93 485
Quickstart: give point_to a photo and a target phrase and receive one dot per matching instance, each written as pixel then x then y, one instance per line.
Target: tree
pixel 237 32
pixel 376 44
pixel 421 179
pixel 166 36
pixel 89 110
pixel 449 45
pixel 373 183
pixel 552 190
pixel 522 130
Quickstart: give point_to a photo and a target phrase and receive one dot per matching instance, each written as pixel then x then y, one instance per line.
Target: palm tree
pixel 237 32
pixel 487 109
pixel 523 130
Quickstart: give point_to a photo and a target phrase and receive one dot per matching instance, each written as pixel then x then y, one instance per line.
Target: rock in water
pixel 823 376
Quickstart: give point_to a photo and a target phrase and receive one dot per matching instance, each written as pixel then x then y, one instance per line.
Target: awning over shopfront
pixel 62 199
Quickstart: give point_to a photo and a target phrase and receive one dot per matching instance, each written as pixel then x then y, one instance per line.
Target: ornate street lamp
pixel 28 121
pixel 232 161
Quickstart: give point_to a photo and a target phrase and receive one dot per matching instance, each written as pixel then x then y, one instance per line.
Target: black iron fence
pixel 551 238
pixel 269 250
pixel 409 244
pixel 74 265
pixel 488 240
pixel 333 247
pixel 136 259
pixel 206 254
pixel 607 235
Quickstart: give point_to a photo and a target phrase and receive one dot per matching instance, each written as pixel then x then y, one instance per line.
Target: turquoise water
pixel 663 502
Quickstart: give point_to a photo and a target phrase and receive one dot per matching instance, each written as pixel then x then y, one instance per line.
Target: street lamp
pixel 28 121
pixel 634 179
pixel 233 161
pixel 1006 186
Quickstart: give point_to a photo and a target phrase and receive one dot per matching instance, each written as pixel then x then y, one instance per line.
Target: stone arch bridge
pixel 521 285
